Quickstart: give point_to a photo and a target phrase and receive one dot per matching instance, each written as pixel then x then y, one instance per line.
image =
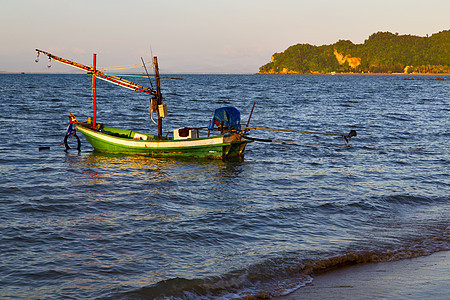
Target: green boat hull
pixel 115 140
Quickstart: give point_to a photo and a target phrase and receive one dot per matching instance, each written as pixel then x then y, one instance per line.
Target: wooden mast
pixel 158 96
pixel 94 91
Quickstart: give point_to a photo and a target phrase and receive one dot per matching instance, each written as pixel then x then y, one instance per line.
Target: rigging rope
pixel 125 66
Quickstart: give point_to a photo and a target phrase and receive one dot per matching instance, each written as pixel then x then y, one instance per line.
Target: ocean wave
pixel 376 203
pixel 279 276
pixel 402 199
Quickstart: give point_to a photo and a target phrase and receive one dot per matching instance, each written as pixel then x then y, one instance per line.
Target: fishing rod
pixel 250 116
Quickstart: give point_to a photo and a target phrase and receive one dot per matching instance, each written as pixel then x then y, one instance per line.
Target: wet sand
pixel 415 278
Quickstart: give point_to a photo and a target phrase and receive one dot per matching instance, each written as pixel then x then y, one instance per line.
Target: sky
pixel 197 36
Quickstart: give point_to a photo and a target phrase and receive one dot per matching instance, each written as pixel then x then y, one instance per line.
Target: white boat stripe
pixel 153 144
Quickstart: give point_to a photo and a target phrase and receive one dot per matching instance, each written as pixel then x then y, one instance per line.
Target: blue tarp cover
pixel 229 116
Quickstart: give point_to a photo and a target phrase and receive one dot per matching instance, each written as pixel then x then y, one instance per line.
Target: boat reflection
pixel 98 167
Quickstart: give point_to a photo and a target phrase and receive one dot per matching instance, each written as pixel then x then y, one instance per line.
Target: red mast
pixel 94 91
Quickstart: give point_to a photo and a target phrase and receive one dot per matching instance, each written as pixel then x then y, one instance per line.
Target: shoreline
pixel 414 278
pixel 364 74
pixel 258 73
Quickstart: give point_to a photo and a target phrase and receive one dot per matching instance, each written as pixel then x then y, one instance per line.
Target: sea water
pixel 90 225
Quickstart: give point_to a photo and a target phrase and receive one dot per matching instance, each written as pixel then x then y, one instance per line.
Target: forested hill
pixel 382 52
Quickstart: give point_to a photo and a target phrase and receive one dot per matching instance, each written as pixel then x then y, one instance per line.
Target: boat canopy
pixel 229 117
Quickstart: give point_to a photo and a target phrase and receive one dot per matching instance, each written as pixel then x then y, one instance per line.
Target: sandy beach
pixel 416 278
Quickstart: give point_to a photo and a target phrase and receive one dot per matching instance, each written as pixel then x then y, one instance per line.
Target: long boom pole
pixel 289 130
pixel 113 79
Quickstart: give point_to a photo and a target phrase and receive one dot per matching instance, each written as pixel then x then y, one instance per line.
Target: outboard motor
pixel 226 118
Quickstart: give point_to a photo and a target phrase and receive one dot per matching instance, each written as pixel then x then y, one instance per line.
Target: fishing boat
pixel 228 141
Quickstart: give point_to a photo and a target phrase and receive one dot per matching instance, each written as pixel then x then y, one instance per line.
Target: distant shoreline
pixel 381 53
pixel 258 73
pixel 405 74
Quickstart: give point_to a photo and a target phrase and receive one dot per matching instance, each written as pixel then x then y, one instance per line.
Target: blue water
pixel 89 225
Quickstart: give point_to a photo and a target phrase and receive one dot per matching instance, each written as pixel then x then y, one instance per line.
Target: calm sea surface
pixel 88 225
